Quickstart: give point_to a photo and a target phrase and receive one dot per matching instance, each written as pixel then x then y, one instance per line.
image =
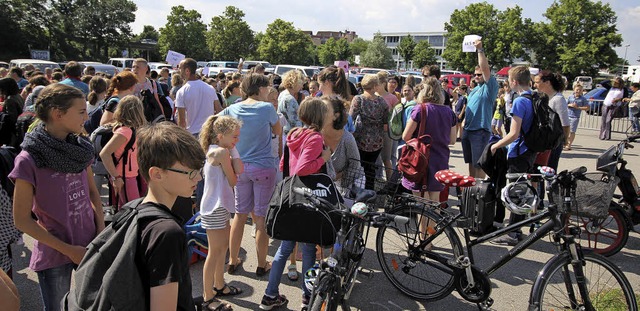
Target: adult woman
pixel 121 85
pixel 391 99
pixel 287 103
pixel 12 105
pixel 344 150
pixel 176 84
pixel 392 86
pixel 441 126
pixel 552 85
pixel 611 102
pixel 255 186
pixel 333 81
pixel 371 115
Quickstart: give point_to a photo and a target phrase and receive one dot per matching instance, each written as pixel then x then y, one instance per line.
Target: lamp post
pixel 626 47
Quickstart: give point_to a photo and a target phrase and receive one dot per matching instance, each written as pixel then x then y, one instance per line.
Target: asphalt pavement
pixel 511 285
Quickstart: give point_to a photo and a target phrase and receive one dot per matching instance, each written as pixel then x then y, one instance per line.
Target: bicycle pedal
pixel 366 272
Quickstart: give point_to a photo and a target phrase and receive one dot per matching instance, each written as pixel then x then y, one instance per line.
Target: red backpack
pixel 414 159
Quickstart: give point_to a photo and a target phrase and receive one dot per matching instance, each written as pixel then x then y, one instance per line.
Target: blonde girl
pixel 123 172
pixel 218 138
pixel 54 181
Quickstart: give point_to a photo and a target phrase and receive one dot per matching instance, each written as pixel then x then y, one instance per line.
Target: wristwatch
pixel 113 179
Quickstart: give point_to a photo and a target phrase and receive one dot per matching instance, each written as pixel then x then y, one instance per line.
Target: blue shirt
pixel 77 84
pixel 523 108
pixel 581 101
pixel 254 145
pixel 408 109
pixel 22 83
pixel 479 112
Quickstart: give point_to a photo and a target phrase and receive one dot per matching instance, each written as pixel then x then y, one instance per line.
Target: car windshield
pixel 231 65
pixel 584 79
pixel 128 63
pixel 310 72
pixel 43 66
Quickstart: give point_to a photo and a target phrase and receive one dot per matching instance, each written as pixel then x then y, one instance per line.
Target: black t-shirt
pixel 112 103
pixel 162 256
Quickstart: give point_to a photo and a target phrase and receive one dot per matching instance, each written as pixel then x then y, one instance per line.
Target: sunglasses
pixel 477 74
pixel 192 174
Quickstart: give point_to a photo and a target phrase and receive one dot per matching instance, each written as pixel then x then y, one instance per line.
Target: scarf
pixel 71 155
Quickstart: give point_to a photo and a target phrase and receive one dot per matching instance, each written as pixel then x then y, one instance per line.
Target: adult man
pixel 478 114
pixel 634 107
pixel 195 99
pixel 73 71
pixel 16 74
pixel 434 71
pixel 148 90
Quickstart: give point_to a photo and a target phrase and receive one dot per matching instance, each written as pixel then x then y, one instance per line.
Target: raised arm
pixel 482 60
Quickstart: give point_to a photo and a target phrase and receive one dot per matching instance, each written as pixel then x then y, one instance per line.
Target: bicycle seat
pixel 450 178
pixel 364 195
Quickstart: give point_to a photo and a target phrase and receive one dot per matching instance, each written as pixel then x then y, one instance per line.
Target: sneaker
pixel 305 303
pixel 505 240
pixel 269 303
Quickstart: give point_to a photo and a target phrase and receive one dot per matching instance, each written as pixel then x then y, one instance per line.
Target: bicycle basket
pixel 608 161
pixel 353 177
pixel 593 196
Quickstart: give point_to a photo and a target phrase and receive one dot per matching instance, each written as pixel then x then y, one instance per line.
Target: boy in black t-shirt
pixel 170 160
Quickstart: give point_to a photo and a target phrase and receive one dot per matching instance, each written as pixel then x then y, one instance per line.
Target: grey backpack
pixel 108 277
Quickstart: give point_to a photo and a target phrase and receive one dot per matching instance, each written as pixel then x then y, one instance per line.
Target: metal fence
pixel 593 119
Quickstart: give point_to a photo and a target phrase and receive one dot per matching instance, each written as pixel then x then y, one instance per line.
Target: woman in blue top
pixel 255 186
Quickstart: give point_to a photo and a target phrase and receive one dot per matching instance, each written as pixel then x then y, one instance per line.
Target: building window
pixel 436 40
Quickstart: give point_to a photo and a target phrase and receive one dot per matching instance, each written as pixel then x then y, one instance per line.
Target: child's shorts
pixel 496 122
pixel 218 219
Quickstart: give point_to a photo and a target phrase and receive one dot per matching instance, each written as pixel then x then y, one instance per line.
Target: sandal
pixel 232 291
pixel 231 269
pixel 260 271
pixel 292 273
pixel 221 306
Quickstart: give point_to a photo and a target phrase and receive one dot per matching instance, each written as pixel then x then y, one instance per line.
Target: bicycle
pixel 336 276
pixel 571 280
pixel 608 235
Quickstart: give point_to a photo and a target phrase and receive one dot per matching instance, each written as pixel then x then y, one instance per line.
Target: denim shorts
pixel 573 124
pixel 473 144
pixel 254 189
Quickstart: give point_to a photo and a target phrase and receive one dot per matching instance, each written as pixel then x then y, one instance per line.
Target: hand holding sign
pixel 469 43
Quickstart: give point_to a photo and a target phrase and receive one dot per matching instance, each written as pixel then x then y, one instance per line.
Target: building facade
pixel 321 37
pixel 437 41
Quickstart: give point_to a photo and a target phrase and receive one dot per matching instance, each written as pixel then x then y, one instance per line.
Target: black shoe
pixel 269 303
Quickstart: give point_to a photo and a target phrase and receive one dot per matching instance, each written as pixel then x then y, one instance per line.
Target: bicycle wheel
pixel 408 268
pixel 324 294
pixel 603 236
pixel 606 286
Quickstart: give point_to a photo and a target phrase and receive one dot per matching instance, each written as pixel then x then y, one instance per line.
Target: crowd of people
pixel 225 139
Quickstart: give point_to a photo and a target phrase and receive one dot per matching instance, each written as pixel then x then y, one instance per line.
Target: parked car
pixel 586 81
pixel 121 63
pixel 417 77
pixel 107 69
pixel 306 70
pixel 355 78
pixel 158 66
pixel 596 96
pixel 38 63
pixel 454 80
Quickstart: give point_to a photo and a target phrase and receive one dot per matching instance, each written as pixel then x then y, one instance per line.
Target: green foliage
pixel 406 49
pixel 229 36
pixel 284 44
pixel 29 29
pixel 579 37
pixel 148 33
pixel 424 54
pixel 359 46
pixel 333 50
pixel 101 24
pixel 377 54
pixel 184 33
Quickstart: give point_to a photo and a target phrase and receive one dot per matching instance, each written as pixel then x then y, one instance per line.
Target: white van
pixel 586 81
pixel 38 63
pixel 306 70
pixel 121 63
pixel 157 67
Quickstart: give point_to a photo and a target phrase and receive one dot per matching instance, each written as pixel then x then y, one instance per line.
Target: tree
pixel 377 54
pixel 406 49
pixel 424 54
pixel 579 37
pixel 343 50
pixel 184 33
pixel 149 33
pixel 504 35
pixel 284 44
pixel 327 52
pixel 358 46
pixel 103 24
pixel 229 36
pixel 23 25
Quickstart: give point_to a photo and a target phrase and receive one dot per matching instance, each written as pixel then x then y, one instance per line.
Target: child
pixel 170 160
pixel 577 103
pixel 307 156
pixel 53 179
pixel 218 137
pixel 128 117
pixel 496 123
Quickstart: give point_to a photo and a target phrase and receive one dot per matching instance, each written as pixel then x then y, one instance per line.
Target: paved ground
pixel 511 284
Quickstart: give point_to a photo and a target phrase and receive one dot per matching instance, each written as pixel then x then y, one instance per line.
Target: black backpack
pixel 155 111
pixel 7 160
pixel 546 131
pixel 108 277
pixel 94 116
pixel 25 120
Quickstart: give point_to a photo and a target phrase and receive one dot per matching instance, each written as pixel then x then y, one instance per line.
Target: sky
pixel 366 17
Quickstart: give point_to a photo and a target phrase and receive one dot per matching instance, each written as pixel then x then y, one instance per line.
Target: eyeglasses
pixel 477 74
pixel 192 174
